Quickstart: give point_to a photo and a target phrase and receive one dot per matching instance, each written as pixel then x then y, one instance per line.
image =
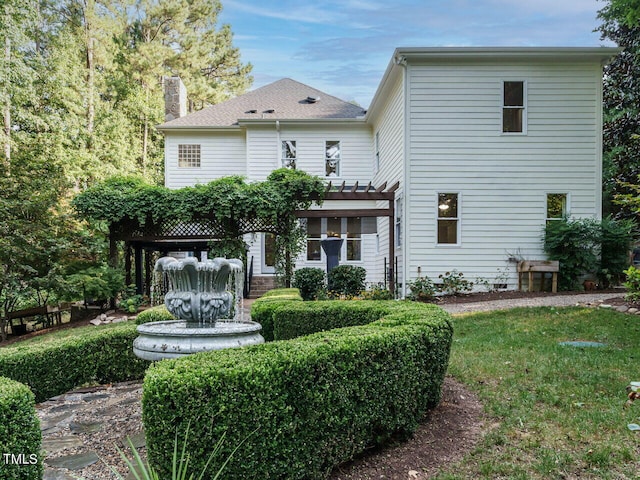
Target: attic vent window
pixel 313 99
pixel 251 111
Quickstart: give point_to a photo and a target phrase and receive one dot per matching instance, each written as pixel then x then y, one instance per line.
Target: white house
pixel 486 146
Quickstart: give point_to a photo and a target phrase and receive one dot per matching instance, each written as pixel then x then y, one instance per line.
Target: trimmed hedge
pixel 54 365
pixel 303 405
pixel 303 318
pixel 264 307
pixel 19 432
pixel 158 313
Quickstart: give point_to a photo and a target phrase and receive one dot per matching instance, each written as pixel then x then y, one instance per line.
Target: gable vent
pixel 313 99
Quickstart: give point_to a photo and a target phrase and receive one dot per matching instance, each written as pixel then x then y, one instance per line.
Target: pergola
pixel 196 235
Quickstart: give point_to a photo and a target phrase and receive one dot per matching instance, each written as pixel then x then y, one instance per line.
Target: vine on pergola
pixel 229 201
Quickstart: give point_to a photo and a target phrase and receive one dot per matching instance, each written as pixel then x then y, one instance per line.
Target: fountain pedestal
pixel 197 297
pixel 175 339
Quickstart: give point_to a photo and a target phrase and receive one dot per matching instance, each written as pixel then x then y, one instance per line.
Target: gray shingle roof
pixel 287 98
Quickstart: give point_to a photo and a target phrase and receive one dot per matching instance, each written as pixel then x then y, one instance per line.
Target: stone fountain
pixel 209 316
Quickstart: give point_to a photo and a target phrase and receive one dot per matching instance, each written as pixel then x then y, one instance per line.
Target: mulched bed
pixel 445 436
pixel 512 294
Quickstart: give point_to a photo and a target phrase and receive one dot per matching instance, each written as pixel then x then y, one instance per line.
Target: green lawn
pixel 556 411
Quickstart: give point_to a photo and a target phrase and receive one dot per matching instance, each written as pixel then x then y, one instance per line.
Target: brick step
pixel 261 285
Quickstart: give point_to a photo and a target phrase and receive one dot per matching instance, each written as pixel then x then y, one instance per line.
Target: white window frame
pixel 338 173
pixel 524 108
pixel 283 159
pixel 567 206
pixel 458 218
pixel 397 220
pixel 189 155
pixel 343 249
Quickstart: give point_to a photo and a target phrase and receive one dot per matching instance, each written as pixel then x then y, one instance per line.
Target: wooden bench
pixel 49 315
pixel 539 266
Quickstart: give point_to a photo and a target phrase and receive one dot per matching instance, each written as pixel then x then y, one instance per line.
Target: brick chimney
pixel 175 98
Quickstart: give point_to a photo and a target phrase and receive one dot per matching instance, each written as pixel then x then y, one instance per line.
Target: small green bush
pixel 309 281
pixel 347 280
pixel 588 246
pixel 422 289
pixel 19 432
pixel 316 400
pixel 377 292
pixel 55 365
pixel 159 313
pixel 615 244
pixel 264 308
pixel 454 283
pixel 632 284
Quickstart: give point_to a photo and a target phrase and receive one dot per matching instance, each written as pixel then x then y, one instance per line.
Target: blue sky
pixel 343 47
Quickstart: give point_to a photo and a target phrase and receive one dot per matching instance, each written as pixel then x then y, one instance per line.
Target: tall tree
pixel 621 141
pixel 16 23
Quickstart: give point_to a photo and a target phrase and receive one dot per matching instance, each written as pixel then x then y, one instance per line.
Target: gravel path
pixel 543 301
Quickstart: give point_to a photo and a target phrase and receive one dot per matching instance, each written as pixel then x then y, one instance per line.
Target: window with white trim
pixel 448 219
pixel 349 229
pixel 289 154
pixel 513 107
pixel 354 239
pixel 189 155
pixel 332 157
pixel 314 235
pixel 557 206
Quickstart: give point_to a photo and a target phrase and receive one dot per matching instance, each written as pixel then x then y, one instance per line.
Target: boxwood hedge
pixel 19 432
pixel 304 405
pixel 64 360
pixel 263 309
pixel 158 313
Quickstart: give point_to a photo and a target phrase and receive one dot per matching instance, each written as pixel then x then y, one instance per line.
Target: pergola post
pixel 138 268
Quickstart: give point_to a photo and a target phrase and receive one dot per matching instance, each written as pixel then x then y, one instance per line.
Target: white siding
pixel 222 154
pixel 262 151
pixel 457 145
pixel 355 143
pixel 389 124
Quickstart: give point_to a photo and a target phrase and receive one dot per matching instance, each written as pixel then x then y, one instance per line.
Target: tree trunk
pixel 7 111
pixel 89 8
pixel 145 143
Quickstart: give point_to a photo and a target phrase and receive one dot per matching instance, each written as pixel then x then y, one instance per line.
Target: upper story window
pixel 189 156
pixel 448 219
pixel 332 158
pixel 289 154
pixel 557 206
pixel 513 107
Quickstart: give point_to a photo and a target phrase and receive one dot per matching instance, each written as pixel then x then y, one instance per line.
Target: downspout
pixel 278 144
pixel 401 61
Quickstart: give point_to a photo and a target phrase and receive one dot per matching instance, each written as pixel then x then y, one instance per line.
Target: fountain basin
pixel 175 338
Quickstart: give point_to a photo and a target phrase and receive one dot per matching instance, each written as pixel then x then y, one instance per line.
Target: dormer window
pixel 289 154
